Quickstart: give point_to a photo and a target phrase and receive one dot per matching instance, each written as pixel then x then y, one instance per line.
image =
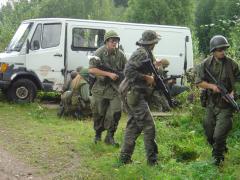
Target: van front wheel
pixel 22 90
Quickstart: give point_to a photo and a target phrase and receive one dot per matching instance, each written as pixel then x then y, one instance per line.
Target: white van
pixel 43 51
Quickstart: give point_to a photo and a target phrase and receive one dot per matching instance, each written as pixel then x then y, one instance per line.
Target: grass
pixel 65 147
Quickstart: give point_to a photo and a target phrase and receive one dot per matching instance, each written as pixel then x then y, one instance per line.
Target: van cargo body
pixel 43 51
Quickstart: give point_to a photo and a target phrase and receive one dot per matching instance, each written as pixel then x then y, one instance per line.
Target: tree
pixel 171 12
pixel 84 9
pixel 12 16
pixel 216 17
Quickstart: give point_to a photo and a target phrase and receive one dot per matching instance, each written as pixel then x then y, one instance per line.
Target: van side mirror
pixel 36 45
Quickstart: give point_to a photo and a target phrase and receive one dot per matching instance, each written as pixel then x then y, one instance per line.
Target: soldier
pixel 106 103
pixel 140 83
pixel 76 100
pixel 66 93
pixel 174 89
pixel 66 86
pixel 158 101
pixel 161 65
pixel 218 119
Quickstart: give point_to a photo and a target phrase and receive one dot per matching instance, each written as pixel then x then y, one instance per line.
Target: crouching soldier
pixel 76 101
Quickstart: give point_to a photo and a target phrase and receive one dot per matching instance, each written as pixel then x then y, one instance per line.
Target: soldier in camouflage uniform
pixel 174 89
pixel 140 82
pixel 158 101
pixel 218 119
pixel 66 92
pixel 161 65
pixel 106 103
pixel 76 100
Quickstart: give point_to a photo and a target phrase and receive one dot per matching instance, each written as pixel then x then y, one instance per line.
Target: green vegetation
pixel 205 18
pixel 65 146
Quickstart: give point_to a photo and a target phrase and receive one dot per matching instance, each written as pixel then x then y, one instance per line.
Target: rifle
pixel 224 92
pixel 92 78
pixel 160 85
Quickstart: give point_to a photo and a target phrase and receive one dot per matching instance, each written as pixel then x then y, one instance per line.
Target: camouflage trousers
pixel 140 120
pixel 106 113
pixel 217 124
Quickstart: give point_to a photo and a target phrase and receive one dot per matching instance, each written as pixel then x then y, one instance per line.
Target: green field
pixel 65 147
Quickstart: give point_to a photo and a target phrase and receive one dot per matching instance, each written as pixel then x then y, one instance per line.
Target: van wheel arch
pixel 22 90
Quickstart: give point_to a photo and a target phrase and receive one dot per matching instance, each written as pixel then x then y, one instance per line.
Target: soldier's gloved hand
pixel 113 76
pixel 149 79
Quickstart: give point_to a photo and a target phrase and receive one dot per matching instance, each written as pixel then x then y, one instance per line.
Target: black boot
pixel 218 161
pixel 109 139
pixel 97 138
pixel 125 159
pixel 152 162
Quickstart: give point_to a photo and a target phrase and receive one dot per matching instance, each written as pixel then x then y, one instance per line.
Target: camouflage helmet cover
pixel 110 34
pixel 148 37
pixel 218 41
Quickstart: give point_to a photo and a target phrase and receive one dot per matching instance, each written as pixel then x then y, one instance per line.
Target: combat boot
pixel 152 160
pixel 152 163
pixel 109 139
pixel 125 159
pixel 218 161
pixel 97 137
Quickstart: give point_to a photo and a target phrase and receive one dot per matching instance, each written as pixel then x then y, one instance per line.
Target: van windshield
pixel 19 38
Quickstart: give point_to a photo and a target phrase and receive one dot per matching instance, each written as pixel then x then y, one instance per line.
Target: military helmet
pixel 164 62
pixel 74 74
pixel 218 41
pixel 110 34
pixel 148 37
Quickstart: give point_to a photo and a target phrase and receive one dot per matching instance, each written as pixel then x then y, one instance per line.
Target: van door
pixel 172 47
pixel 46 53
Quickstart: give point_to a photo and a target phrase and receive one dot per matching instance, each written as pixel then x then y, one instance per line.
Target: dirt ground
pixel 13 169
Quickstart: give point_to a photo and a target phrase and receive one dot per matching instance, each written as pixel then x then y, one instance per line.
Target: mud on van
pixel 43 51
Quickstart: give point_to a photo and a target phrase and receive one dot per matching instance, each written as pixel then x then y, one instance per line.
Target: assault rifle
pixel 224 92
pixel 160 85
pixel 92 78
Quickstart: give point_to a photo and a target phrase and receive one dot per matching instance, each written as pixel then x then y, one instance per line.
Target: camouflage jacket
pixel 225 71
pixel 104 86
pixel 134 70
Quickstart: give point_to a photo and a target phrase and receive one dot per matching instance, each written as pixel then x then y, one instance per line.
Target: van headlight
pixel 4 67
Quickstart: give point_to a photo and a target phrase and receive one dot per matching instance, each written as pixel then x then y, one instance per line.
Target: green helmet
pixel 110 34
pixel 148 37
pixel 218 41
